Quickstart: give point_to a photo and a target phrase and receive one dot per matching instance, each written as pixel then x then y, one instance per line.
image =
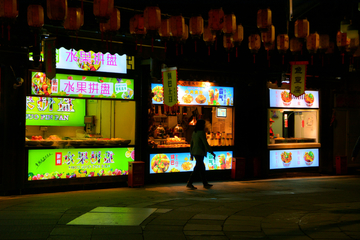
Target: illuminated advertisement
pixel 193 95
pixel 294 158
pixel 90 61
pixel 49 111
pixel 282 98
pixel 180 162
pixel 46 164
pixel 65 85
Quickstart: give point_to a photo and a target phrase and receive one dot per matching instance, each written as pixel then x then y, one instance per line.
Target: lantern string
pixel 195 46
pixel 2 30
pixel 312 59
pixel 283 59
pixel 152 44
pixel 236 54
pixel 176 46
pixel 215 43
pixel 208 50
pixel 254 58
pixel 9 28
pixel 228 56
pixel 165 47
pixel 182 51
pixel 342 58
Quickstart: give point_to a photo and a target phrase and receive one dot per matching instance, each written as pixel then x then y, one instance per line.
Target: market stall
pixel 75 123
pixel 293 130
pixel 169 140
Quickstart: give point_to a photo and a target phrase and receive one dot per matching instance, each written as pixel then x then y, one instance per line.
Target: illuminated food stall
pixel 293 130
pixel 75 124
pixel 172 127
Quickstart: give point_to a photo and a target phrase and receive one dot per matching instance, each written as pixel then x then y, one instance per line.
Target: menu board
pixel 180 162
pixel 193 95
pixel 282 98
pixel 82 86
pixel 51 111
pixel 44 164
pixel 294 158
pixel 90 61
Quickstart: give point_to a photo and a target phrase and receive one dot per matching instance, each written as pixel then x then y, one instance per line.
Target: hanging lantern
pixel 324 41
pixel 216 20
pixel 302 28
pixel 35 16
pixel 185 37
pixel 312 42
pixel 264 19
pixel 228 43
pixel 137 27
pixel 238 37
pixel 177 26
pixel 164 31
pixel 254 44
pixel 295 45
pixel 268 37
pixel 57 9
pixel 73 19
pixel 103 9
pixel 353 35
pixel 344 24
pixel 152 22
pixel 230 24
pixel 282 42
pixel 196 28
pixel 113 24
pixel 8 13
pixel 342 41
pixel 208 37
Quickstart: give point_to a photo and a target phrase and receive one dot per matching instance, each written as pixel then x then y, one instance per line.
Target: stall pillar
pixel 238 168
pixel 341 165
pixel 136 173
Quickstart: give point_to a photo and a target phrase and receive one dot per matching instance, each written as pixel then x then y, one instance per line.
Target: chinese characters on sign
pixel 170 86
pixel 298 78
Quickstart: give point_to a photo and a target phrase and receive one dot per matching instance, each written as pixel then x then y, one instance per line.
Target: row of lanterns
pixel 150 22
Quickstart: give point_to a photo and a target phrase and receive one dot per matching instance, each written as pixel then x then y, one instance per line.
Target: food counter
pixel 293 129
pixel 73 123
pixel 170 135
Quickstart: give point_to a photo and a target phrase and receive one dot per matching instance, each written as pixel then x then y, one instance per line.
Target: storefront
pixel 170 135
pixel 81 124
pixel 293 130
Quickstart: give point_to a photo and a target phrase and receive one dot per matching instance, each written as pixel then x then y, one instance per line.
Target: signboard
pixel 298 78
pixel 169 76
pixel 50 65
pixel 82 86
pixel 49 111
pixel 206 96
pixel 294 158
pixel 91 61
pixel 180 162
pixel 283 99
pixel 44 164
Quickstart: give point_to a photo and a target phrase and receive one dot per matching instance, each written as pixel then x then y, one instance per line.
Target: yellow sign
pixel 298 78
pixel 169 76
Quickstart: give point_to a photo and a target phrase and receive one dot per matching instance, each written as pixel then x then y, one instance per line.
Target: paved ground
pixel 297 208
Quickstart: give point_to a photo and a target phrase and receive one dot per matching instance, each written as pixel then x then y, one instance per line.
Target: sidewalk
pixel 297 208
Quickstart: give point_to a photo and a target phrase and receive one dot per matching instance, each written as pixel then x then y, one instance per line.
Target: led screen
pixel 294 158
pixel 282 98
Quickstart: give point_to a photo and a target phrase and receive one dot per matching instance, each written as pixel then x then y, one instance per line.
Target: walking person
pixel 199 147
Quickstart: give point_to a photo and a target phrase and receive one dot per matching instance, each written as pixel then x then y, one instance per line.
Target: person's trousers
pixel 199 169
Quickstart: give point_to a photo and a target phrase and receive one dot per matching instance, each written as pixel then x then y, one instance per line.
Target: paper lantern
pixel 254 43
pixel 268 37
pixel 342 41
pixel 177 27
pixel 228 43
pixel 282 42
pixel 103 10
pixel 324 41
pixel 8 10
pixel 264 19
pixel 353 35
pixel 216 20
pixel 238 35
pixel 312 42
pixel 73 19
pixel 164 31
pixel 208 37
pixel 35 16
pixel 302 28
pixel 184 37
pixel 113 24
pixel 56 9
pixel 229 24
pixel 137 25
pixel 152 19
pixel 295 45
pixel 344 24
pixel 196 26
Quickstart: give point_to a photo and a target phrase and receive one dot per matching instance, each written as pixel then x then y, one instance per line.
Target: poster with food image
pixel 45 164
pixel 283 98
pixel 206 96
pixel 294 158
pixel 67 85
pixel 90 61
pixel 180 162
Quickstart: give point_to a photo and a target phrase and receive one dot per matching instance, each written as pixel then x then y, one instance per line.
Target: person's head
pixel 200 125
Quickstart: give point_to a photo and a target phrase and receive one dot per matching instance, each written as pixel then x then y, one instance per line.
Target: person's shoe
pixel 191 187
pixel 208 185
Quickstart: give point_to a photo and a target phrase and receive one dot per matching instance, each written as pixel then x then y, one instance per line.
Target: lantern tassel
pixel 283 59
pixel 342 58
pixel 182 50
pixel 209 50
pixel 9 28
pixel 2 30
pixel 236 53
pixel 312 59
pixel 152 44
pixel 254 58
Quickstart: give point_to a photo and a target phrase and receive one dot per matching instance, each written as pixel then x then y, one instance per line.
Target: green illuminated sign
pixel 82 86
pixel 50 111
pixel 46 164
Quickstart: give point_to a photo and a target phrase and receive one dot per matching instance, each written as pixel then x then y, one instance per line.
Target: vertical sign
pixel 298 78
pixel 169 76
pixel 49 55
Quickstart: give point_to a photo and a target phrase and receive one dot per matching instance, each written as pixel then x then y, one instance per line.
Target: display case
pixel 293 129
pixel 170 135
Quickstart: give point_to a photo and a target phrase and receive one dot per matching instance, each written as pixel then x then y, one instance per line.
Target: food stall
pixel 170 135
pixel 293 130
pixel 75 124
